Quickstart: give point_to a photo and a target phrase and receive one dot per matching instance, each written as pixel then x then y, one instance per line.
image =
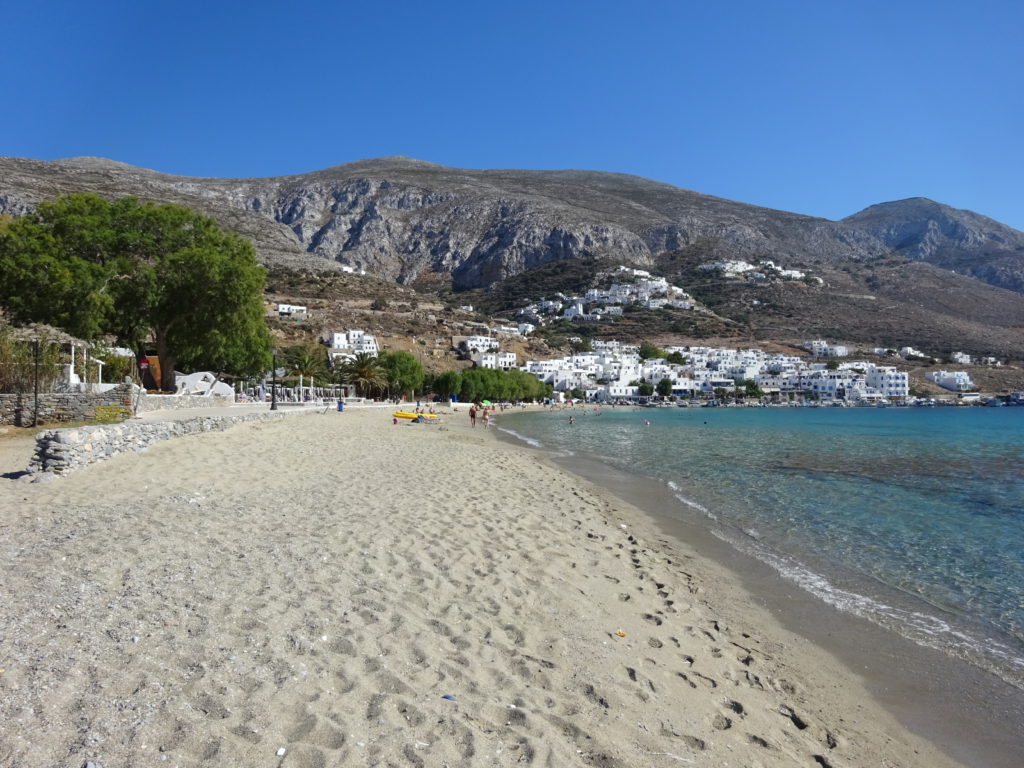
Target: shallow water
pixel 912 518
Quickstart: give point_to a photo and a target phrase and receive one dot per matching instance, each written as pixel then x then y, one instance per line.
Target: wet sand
pixel 969 713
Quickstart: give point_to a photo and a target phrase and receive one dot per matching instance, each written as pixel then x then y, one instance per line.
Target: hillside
pixel 443 229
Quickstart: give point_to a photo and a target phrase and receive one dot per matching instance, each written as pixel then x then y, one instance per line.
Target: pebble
pixel 280 752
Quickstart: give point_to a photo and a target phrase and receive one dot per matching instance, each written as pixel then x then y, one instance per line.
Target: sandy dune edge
pixel 319 585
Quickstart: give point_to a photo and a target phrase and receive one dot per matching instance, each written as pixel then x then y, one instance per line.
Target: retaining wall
pixel 176 402
pixel 114 404
pixel 60 451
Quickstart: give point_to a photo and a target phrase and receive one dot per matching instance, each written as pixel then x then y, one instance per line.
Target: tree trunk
pixel 167 363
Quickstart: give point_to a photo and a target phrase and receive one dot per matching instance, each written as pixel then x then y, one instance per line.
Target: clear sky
pixel 819 106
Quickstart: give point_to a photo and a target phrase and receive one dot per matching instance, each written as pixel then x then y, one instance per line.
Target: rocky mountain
pixel 958 240
pixel 427 225
pixel 402 219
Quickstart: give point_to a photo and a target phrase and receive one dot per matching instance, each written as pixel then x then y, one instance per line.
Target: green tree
pixel 402 371
pixel 577 394
pixel 648 351
pixel 447 384
pixel 676 358
pixel 645 388
pixel 750 388
pixel 142 272
pixel 365 372
pixel 664 387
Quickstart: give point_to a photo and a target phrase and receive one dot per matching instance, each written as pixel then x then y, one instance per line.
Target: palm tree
pixel 307 360
pixel 365 372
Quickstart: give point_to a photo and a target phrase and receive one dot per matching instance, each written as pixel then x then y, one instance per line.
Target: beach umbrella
pixel 487 402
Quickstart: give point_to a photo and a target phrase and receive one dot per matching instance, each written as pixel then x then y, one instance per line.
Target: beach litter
pixel 281 751
pixel 619 633
pixel 449 697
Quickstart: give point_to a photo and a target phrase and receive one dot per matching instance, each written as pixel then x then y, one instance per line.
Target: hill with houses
pixel 911 272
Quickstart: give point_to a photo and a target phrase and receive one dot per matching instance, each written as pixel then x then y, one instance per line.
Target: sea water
pixel 910 517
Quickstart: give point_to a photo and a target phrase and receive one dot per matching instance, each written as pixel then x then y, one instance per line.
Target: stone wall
pixel 113 405
pixel 177 402
pixel 60 451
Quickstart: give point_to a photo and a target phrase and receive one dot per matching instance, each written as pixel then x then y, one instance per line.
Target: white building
pixel 888 382
pixel 503 360
pixel 955 381
pixel 353 342
pixel 294 311
pixel 822 348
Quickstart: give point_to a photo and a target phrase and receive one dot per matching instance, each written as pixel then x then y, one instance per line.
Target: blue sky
pixel 819 107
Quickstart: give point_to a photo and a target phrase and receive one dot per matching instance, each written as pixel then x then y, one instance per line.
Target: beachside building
pixel 888 381
pixel 955 381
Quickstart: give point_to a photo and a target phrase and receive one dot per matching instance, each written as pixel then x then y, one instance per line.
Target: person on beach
pixel 487 418
pixel 572 420
pixel 472 415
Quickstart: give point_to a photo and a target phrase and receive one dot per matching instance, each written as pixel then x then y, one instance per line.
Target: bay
pixel 911 518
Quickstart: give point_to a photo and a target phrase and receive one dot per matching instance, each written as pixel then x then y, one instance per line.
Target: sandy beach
pixel 335 590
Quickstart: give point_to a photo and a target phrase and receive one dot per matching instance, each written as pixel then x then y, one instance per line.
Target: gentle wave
pixel 528 440
pixel 677 492
pixel 921 628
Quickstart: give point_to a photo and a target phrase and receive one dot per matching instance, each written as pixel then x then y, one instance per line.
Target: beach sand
pixel 335 590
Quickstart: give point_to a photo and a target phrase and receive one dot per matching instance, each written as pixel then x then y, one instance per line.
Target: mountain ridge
pixel 418 223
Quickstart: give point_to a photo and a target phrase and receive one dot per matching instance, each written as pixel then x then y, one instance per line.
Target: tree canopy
pixel 493 384
pixel 402 371
pixel 143 273
pixel 648 351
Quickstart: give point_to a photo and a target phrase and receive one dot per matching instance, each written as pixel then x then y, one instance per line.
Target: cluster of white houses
pixel 612 371
pixel 602 303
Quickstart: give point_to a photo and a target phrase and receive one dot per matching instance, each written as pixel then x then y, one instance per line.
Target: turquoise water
pixel 913 518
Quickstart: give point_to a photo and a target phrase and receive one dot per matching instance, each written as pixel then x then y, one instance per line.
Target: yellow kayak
pixel 422 416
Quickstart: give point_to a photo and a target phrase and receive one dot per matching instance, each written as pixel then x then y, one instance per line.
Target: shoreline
pixel 919 685
pixel 339 590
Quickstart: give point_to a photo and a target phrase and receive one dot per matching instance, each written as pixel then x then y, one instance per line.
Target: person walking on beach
pixel 487 418
pixel 472 415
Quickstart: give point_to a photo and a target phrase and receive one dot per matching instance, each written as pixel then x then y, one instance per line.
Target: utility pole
pixel 273 386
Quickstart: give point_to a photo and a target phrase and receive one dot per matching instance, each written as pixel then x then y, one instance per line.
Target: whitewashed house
pixel 955 381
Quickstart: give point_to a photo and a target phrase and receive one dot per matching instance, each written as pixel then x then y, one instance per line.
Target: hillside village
pixel 610 370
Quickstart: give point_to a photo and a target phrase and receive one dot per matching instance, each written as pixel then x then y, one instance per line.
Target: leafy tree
pixel 583 345
pixel 832 365
pixel 676 358
pixel 664 387
pixel 141 272
pixel 645 388
pixel 577 394
pixel 365 372
pixel 402 371
pixel 648 351
pixel 750 388
pixel 447 384
pixel 379 304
